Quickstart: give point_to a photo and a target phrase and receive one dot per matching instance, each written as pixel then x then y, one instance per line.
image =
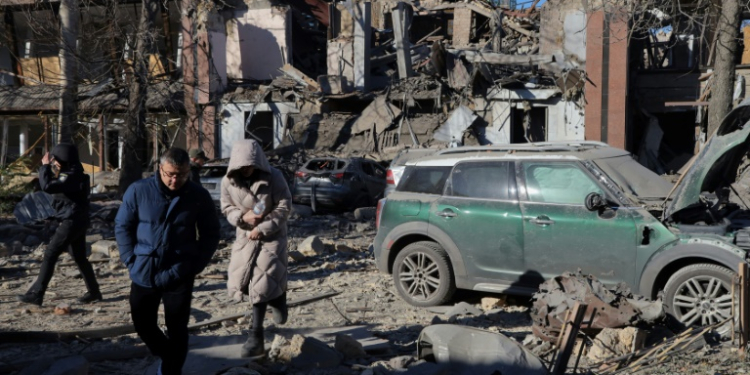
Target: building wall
pixel 258 43
pixel 233 122
pixel 563 32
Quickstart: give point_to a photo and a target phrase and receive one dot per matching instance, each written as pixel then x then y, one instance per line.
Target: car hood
pixel 716 165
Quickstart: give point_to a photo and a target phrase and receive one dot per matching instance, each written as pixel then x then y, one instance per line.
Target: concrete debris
pixel 377 117
pixel 349 347
pixel 462 308
pixel 401 362
pixel 478 350
pixel 343 248
pixel 613 342
pixel 296 255
pixel 311 246
pixel 62 309
pixel 613 308
pixel 107 248
pixel 308 353
pixel 492 303
pixel 364 213
pixel 452 131
pixel 5 250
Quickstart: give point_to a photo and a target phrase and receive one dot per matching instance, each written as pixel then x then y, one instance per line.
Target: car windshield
pixel 213 171
pixel 634 178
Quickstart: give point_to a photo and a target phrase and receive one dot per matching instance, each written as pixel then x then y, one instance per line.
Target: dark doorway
pixel 260 128
pixel 113 149
pixel 537 129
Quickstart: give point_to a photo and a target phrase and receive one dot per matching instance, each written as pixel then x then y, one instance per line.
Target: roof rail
pixel 532 147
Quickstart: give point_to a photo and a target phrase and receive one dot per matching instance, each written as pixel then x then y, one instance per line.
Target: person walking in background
pixel 197 159
pixel 255 198
pixel 167 230
pixel 61 175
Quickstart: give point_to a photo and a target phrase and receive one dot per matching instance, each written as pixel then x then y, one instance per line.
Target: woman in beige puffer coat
pixel 258 266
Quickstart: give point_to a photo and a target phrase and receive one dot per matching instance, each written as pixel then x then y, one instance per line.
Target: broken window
pixel 260 128
pixel 529 125
pixel 325 164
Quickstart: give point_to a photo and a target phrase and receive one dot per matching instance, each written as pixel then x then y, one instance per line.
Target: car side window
pixel 488 180
pixel 426 180
pixel 562 183
pixel 367 168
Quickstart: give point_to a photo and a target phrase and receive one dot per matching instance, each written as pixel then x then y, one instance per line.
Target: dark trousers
pixel 71 236
pixel 172 347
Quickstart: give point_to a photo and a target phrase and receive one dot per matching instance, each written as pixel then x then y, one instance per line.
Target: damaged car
pixel 339 183
pixel 505 218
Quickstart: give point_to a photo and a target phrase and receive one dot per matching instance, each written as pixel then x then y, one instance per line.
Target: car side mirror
pixel 595 202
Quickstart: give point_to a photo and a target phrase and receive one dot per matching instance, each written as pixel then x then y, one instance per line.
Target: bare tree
pixel 726 48
pixel 134 152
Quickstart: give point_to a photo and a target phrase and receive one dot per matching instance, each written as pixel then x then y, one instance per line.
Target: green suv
pixel 505 218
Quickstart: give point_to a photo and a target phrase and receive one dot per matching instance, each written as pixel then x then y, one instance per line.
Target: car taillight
pixel 378 212
pixel 389 178
pixel 336 177
pixel 300 174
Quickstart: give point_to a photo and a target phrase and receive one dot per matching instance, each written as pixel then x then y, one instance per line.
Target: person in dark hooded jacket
pixel 61 175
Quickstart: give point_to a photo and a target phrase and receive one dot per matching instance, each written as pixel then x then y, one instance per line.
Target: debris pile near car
pixel 606 308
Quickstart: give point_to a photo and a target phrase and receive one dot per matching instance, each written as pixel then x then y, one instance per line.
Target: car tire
pixel 423 275
pixel 699 294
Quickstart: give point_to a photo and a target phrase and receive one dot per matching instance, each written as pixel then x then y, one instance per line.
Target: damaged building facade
pixel 363 78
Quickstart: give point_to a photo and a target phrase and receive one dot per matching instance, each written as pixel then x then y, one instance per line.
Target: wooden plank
pixel 569 339
pixel 685 104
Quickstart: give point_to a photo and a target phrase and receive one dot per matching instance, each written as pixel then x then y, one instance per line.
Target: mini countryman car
pixel 504 218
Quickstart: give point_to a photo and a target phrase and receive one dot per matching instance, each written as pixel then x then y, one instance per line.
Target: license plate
pixel 209 186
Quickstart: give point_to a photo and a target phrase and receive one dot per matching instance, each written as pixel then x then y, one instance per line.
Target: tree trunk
pixel 134 148
pixel 69 16
pixel 722 88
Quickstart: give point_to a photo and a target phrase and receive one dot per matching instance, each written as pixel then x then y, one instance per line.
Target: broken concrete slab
pixel 311 246
pixel 477 351
pixel 380 114
pixel 105 247
pixel 360 333
pixel 453 129
pixel 308 352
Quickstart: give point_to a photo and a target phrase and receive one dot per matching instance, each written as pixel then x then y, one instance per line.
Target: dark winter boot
pixel 279 309
pixel 33 298
pixel 254 347
pixel 90 297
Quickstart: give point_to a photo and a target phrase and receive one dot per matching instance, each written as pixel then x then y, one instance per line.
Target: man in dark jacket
pixel 61 175
pixel 167 231
pixel 197 159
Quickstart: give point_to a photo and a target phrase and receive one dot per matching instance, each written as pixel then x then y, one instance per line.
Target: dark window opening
pixel 533 129
pixel 260 128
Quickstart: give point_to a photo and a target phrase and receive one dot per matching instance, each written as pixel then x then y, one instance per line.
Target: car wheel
pixel 700 294
pixel 423 275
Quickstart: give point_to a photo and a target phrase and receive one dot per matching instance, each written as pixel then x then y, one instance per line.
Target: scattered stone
pixel 62 309
pixel 362 227
pixel 242 320
pixel 278 344
pixel 311 246
pixel 491 303
pixel 32 241
pixel 612 342
pixel 307 352
pixel 106 248
pixel 343 248
pixel 302 211
pixel 328 266
pixel 349 347
pixel 92 238
pixel 25 311
pixel 463 308
pixel 228 323
pixel 401 362
pixel 97 256
pixel 296 256
pixel 5 251
pixel 364 213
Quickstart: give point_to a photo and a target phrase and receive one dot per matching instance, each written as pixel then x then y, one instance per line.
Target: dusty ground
pixel 366 297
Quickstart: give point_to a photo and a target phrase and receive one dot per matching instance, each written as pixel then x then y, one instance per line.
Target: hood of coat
pixel 717 164
pixel 66 153
pixel 247 152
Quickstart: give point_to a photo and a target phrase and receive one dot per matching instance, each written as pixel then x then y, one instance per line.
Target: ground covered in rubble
pixel 336 261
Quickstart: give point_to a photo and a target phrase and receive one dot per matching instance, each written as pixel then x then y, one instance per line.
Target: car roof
pixel 583 150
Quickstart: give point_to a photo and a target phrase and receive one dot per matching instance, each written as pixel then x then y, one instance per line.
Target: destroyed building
pixel 363 77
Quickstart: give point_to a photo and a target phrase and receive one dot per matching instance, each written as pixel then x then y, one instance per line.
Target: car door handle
pixel 447 213
pixel 542 220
